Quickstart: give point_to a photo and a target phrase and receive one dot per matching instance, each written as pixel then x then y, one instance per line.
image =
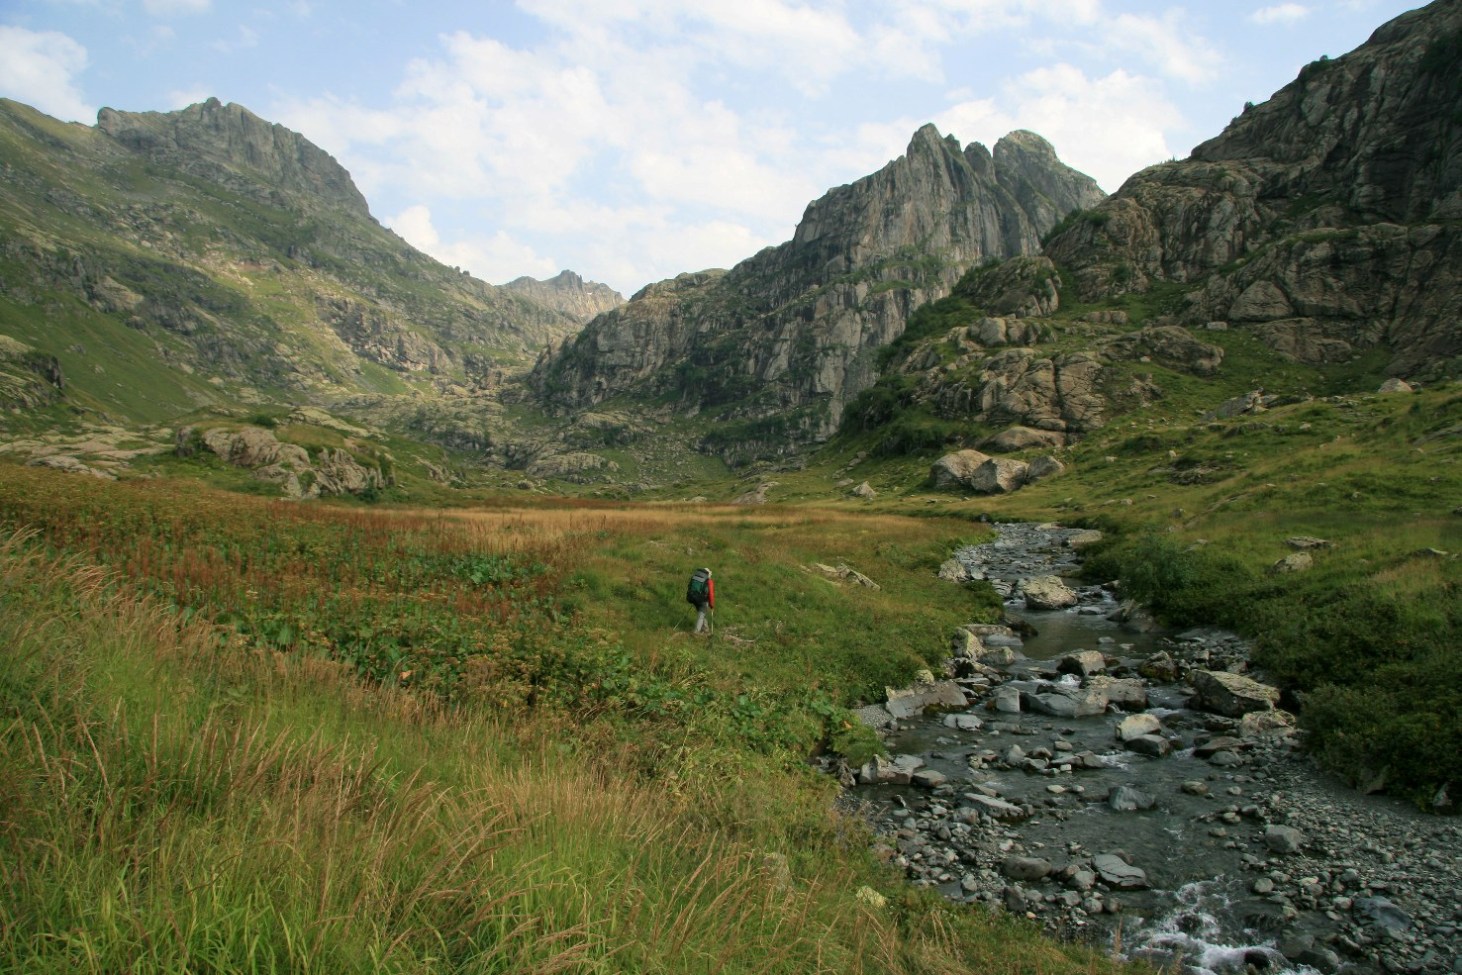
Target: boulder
pixel 953 570
pixel 1047 592
pixel 865 491
pixel 1084 663
pixel 1026 869
pixel 1127 693
pixel 1153 746
pixel 1293 562
pixel 1061 701
pixel 1283 839
pixel 1042 467
pixel 1125 798
pixel 963 722
pixel 1084 539
pixel 956 469
pixel 1231 695
pixel 1160 666
pixel 1007 699
pixel 909 701
pixel 998 476
pixel 1396 386
pixel 1259 724
pixel 1137 725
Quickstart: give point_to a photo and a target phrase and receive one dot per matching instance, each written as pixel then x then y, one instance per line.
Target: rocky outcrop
pixel 330 471
pixel 28 379
pixel 791 333
pixel 1323 220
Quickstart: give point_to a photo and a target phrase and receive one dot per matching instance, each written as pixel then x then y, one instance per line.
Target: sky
pixel 632 140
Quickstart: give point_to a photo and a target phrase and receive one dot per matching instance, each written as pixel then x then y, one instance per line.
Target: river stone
pixel 1258 724
pixel 928 778
pixel 963 722
pixel 1128 693
pixel 1231 695
pixel 1225 759
pixel 1083 662
pixel 1007 699
pixel 1124 798
pixel 909 701
pixel 1025 868
pixel 1283 839
pixel 1154 746
pixel 1118 872
pixel 1082 879
pixel 1084 539
pixel 993 806
pixel 1137 725
pixel 1068 702
pixel 1161 667
pixel 1383 913
pixel 896 771
pixel 1220 743
pixel 1047 592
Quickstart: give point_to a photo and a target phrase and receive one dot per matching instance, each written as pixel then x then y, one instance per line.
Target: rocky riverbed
pixel 1145 792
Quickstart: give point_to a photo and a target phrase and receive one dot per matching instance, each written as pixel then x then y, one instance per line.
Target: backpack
pixel 697 591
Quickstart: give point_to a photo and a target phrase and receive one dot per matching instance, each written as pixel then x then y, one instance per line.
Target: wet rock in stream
pixel 1075 779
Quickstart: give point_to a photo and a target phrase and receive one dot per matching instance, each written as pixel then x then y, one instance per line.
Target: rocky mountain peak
pixel 231 145
pixel 569 293
pixel 795 328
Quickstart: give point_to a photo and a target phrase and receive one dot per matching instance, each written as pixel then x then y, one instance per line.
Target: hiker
pixel 700 592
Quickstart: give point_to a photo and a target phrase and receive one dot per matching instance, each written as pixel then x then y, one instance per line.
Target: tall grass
pixel 179 796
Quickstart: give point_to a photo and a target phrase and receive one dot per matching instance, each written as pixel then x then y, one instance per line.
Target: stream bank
pixel 1141 791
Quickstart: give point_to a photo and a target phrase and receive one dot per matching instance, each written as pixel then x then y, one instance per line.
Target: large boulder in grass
pixel 999 476
pixel 956 469
pixel 1231 695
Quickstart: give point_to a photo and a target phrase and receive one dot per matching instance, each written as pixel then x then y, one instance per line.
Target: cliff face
pixel 1325 219
pixel 784 339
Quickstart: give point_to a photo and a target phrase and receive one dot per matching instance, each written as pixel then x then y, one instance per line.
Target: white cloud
pixel 1168 43
pixel 495 257
pixel 1284 13
pixel 166 8
pixel 183 97
pixel 39 68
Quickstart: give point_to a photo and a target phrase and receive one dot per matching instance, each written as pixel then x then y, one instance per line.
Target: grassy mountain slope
pixel 157 288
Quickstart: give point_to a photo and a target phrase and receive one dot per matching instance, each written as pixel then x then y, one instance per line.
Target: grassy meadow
pixel 244 735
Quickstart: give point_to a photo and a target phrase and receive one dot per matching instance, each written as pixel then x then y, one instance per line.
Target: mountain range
pixel 205 268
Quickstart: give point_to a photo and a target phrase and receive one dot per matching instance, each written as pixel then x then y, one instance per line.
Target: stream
pixel 1210 843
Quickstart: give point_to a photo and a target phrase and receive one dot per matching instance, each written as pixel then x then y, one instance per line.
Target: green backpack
pixel 698 590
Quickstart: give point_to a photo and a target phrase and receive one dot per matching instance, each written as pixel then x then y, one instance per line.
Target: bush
pixel 1182 586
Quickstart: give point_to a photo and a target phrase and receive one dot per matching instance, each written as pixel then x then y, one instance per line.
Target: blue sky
pixel 631 140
